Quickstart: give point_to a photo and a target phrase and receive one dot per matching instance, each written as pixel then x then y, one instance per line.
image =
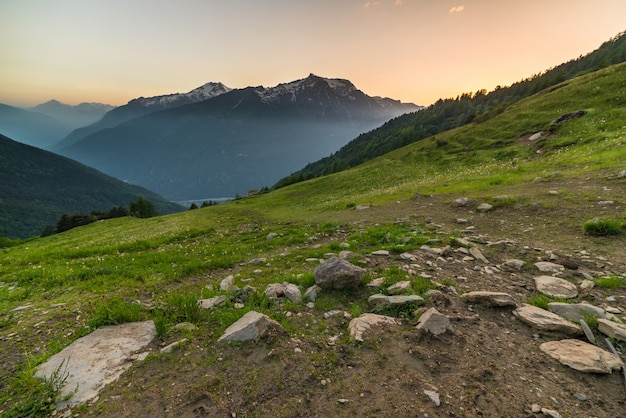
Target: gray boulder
pixel 498 299
pixel 612 329
pixel 575 311
pixel 336 273
pixel 384 300
pixel 358 327
pixel 434 322
pixel 251 327
pixel 556 287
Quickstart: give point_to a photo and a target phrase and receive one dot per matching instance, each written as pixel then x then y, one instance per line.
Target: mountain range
pixel 233 142
pixel 82 114
pixel 37 187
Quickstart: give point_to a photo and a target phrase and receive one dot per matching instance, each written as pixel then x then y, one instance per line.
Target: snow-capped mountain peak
pixel 204 92
pixel 313 82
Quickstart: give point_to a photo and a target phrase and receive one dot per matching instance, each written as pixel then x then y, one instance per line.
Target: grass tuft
pixel 602 227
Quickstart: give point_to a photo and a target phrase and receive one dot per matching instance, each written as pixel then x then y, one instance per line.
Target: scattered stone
pixel 535 408
pixel 586 284
pixel 461 221
pixel 376 282
pixel 553 192
pixel 622 175
pixel 344 255
pixel 582 356
pixel 382 253
pixel 555 287
pixel 95 360
pixel 575 311
pixel 358 327
pixel 274 291
pixel 384 300
pixel 433 396
pixel 551 413
pixel 612 329
pixel 169 348
pixel 337 273
pixel 227 283
pixel 362 207
pixel 272 235
pixel 477 254
pixel 535 136
pixel 464 201
pixel 548 267
pixel 545 320
pixel 514 264
pixel 484 207
pixel 434 322
pixel 256 261
pixel 251 327
pixel 498 299
pixel 343 401
pixel 399 287
pixel 21 308
pixel 408 256
pixel 312 292
pixel 211 302
pixel 580 396
pixel 292 292
pixel 606 202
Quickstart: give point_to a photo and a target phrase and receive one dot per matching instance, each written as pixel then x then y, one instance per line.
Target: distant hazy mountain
pixel 73 116
pixel 30 127
pixel 143 106
pixel 37 187
pixel 237 141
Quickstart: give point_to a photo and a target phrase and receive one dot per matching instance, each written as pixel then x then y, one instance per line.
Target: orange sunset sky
pixel 112 51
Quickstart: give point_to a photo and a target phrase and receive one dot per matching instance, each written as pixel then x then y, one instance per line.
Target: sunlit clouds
pixel 457 9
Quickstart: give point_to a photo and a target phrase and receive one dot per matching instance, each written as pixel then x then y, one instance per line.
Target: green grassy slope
pixel 161 261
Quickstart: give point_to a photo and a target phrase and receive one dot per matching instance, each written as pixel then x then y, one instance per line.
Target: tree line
pixel 141 208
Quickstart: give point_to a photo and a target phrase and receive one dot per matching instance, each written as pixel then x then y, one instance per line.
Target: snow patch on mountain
pixel 204 92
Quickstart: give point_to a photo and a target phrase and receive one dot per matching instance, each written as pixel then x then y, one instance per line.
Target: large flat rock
pixel 250 327
pixel 582 356
pixel 545 320
pixel 556 287
pixel 612 329
pixel 358 327
pixel 97 359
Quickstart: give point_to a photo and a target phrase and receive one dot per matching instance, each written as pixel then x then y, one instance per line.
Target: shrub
pixel 602 227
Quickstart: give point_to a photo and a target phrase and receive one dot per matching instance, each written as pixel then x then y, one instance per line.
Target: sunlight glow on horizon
pixel 415 51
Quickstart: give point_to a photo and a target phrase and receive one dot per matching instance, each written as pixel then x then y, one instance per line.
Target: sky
pixel 111 51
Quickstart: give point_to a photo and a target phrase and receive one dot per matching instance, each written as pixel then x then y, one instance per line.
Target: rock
pixel 292 292
pixel 211 302
pixel 535 408
pixel 586 284
pixel 383 253
pixel 582 356
pixel 567 117
pixel 337 273
pixel 606 202
pixel 399 287
pixel 498 299
pixel 344 255
pixel 433 396
pixel 274 290
pixel 622 175
pixel 312 292
pixel 545 320
pixel 551 413
pixel 612 329
pixel 358 327
pixel 376 282
pixel 272 235
pixel 384 300
pixel 464 201
pixel 21 308
pixel 256 261
pixel 555 287
pixel 173 346
pixel 251 327
pixel 95 360
pixel 548 267
pixel 227 283
pixel 575 311
pixel 535 136
pixel 477 254
pixel 514 264
pixel 408 257
pixel 434 322
pixel 484 207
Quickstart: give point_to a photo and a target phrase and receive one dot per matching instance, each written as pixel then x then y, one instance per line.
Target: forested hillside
pixel 450 113
pixel 37 187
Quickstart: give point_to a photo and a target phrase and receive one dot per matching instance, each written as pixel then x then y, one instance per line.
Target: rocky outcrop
pixel 582 356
